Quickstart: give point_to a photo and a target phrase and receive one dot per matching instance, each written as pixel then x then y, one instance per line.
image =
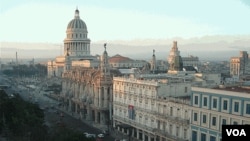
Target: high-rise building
pixel 240 66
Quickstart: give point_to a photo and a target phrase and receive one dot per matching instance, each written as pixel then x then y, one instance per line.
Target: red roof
pixel 118 58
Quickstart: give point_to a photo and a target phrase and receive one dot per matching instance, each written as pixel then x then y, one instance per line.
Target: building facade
pixel 87 92
pixel 150 109
pixel 212 108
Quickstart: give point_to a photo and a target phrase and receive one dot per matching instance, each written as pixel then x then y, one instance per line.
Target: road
pixel 51 109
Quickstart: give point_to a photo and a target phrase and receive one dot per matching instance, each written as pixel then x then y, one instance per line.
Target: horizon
pixel 123 23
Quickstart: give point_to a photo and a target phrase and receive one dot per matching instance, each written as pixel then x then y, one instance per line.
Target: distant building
pixel 240 66
pixel 191 61
pixel 118 61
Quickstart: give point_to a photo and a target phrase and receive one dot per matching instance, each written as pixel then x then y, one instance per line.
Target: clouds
pixel 47 22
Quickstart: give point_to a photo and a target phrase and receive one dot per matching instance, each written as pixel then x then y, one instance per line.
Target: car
pixel 85 133
pixel 100 135
pixel 91 136
pixel 105 132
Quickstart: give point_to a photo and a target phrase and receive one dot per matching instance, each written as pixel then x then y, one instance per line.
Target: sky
pixel 46 20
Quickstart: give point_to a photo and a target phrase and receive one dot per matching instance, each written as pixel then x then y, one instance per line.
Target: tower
pixel 153 63
pixel 174 59
pixel 105 70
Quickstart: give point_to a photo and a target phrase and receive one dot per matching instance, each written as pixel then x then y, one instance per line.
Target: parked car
pixel 91 136
pixel 100 135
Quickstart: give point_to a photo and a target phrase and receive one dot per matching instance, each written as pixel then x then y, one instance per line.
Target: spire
pixel 153 62
pixel 77 15
pixel 104 62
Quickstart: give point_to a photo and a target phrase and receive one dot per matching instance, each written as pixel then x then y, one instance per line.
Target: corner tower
pixel 76 40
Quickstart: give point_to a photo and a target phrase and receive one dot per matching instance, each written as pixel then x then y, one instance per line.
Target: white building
pixel 151 109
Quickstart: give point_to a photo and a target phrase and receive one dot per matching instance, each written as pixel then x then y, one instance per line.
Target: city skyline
pixel 133 23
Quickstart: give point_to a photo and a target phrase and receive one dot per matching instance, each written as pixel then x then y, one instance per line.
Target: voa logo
pixel 236 132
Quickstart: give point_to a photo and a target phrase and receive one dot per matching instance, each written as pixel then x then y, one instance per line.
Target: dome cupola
pixel 77 23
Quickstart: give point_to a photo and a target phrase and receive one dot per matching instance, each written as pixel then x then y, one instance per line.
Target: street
pixel 54 115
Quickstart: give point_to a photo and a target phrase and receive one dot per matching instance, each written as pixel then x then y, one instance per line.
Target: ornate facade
pixel 88 92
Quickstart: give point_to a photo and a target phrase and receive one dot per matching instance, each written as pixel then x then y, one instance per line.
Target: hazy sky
pixel 46 21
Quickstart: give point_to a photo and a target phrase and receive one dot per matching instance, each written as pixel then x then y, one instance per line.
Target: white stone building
pixel 151 109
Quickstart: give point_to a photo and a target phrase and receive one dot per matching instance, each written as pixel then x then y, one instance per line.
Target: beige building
pixel 77 45
pixel 240 66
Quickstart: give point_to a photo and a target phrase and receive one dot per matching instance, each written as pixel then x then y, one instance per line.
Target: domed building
pixel 77 46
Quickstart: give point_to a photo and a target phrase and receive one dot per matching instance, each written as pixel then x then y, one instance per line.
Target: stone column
pixel 105 97
pixel 76 108
pixel 133 134
pixel 143 135
pixel 102 116
pixel 100 97
pixel 69 109
pixel 88 113
pixel 96 116
pixel 138 134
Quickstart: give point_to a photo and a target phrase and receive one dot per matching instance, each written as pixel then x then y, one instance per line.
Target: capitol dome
pixel 77 23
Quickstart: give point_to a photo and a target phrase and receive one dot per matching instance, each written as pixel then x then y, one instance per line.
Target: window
pixel 224 121
pixel 214 121
pixel 194 136
pixel 212 138
pixel 205 101
pixel 204 119
pixel 236 106
pixel 195 116
pixel 203 137
pixel 196 100
pixel 185 89
pixel 235 123
pixel 185 133
pixel 214 103
pixel 177 131
pixel 224 104
pixel 248 109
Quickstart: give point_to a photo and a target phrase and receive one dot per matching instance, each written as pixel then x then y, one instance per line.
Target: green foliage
pixel 25 122
pixel 21 117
